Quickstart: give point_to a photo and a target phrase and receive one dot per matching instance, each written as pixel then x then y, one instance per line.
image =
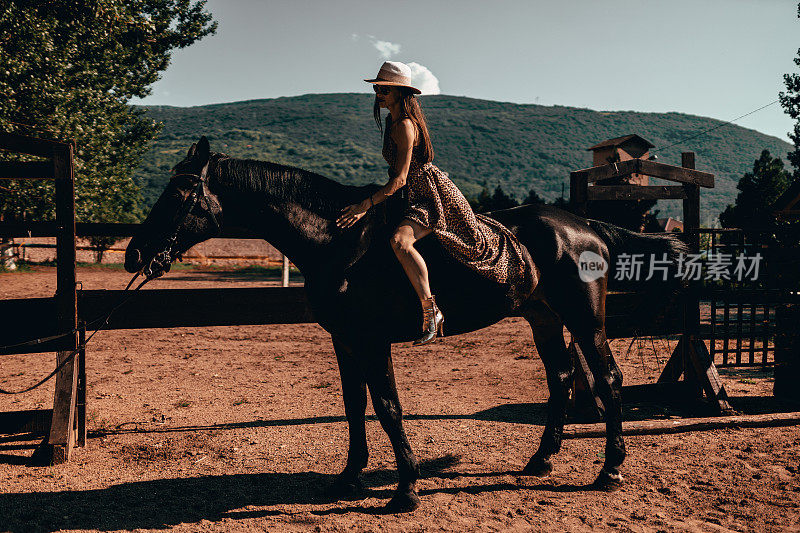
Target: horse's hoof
pixel 538 467
pixel 402 502
pixel 345 488
pixel 608 481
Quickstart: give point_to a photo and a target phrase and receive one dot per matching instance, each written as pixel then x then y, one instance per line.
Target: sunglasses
pixel 382 89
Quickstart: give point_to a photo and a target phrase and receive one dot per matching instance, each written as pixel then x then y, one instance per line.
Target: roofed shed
pixel 620 149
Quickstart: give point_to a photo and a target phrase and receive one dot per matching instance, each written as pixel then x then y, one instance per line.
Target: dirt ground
pixel 241 428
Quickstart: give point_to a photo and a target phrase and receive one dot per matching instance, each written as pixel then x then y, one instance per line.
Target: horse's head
pixel 186 213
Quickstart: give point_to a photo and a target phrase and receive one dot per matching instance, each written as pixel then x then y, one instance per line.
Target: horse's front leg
pixel 382 388
pixel 354 391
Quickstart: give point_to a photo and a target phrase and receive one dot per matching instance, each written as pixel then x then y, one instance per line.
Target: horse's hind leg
pixel 548 334
pixel 608 380
pixel 355 405
pixel 582 307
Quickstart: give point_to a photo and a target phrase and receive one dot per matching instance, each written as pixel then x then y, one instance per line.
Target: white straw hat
pixel 394 73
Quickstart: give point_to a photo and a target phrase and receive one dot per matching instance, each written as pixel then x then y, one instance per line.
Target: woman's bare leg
pixel 406 234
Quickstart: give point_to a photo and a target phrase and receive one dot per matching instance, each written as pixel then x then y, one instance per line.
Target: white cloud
pixel 423 79
pixel 386 48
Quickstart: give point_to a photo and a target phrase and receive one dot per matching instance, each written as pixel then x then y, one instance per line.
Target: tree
pixel 790 100
pixel 562 203
pixel 759 190
pixel 67 71
pixel 629 214
pixel 482 203
pixel 492 202
pixel 533 198
pixel 500 200
pixel 651 224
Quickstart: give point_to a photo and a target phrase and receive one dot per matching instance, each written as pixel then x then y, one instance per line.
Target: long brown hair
pixel 412 110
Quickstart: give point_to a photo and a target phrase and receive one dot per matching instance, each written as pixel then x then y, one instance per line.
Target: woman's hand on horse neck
pixel 403 135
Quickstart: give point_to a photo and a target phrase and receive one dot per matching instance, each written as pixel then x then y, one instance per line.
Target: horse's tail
pixel 627 249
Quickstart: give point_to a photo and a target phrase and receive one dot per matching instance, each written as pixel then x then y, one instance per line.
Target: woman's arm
pixel 403 136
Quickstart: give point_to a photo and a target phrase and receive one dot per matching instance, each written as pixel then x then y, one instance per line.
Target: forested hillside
pixel 478 142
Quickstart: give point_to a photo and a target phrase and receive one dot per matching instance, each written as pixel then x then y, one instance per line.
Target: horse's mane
pixel 302 187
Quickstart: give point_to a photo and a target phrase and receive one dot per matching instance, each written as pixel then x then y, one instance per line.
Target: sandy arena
pixel 241 428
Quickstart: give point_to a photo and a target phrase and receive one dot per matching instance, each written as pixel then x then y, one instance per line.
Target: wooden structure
pixel 690 358
pixel 626 212
pixel 787 353
pixel 65 424
pixel 741 323
pixel 621 149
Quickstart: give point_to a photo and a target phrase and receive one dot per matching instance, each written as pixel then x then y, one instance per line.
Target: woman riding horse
pixel 435 205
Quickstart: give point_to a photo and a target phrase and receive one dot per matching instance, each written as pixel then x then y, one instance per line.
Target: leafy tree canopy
pixel 533 198
pixel 759 190
pixel 499 199
pixel 67 71
pixel 790 100
pixel 492 202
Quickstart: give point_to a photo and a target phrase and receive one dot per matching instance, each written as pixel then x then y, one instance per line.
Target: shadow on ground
pixel 164 503
pixel 534 414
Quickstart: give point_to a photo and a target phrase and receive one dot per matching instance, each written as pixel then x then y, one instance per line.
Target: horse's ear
pixel 203 149
pixel 192 150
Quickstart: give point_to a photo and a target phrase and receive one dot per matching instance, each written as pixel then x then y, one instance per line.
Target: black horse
pixel 359 293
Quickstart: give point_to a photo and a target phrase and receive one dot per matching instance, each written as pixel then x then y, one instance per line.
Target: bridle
pixel 163 259
pixel 168 254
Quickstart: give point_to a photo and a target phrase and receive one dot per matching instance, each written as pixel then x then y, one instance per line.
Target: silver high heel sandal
pixel 432 321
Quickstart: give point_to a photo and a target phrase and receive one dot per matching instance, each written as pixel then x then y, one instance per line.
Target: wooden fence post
pixel 62 432
pixel 578 192
pixel 285 272
pixel 691 355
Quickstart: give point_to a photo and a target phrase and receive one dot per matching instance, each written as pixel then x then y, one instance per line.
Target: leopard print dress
pixel 480 242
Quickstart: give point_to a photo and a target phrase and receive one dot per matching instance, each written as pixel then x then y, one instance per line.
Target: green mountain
pixel 477 142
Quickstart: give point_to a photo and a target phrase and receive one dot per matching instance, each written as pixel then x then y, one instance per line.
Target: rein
pixel 127 295
pixel 157 266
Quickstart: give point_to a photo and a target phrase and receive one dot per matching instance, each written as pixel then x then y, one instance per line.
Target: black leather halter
pixel 161 261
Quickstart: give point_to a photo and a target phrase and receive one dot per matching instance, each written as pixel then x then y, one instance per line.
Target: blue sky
pixel 714 58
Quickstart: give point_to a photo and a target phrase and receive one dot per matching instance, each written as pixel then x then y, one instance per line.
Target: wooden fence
pixel 61 320
pixel 741 324
pixel 64 428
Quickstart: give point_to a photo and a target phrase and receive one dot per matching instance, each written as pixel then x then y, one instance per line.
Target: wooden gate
pixel 740 321
pixel 691 358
